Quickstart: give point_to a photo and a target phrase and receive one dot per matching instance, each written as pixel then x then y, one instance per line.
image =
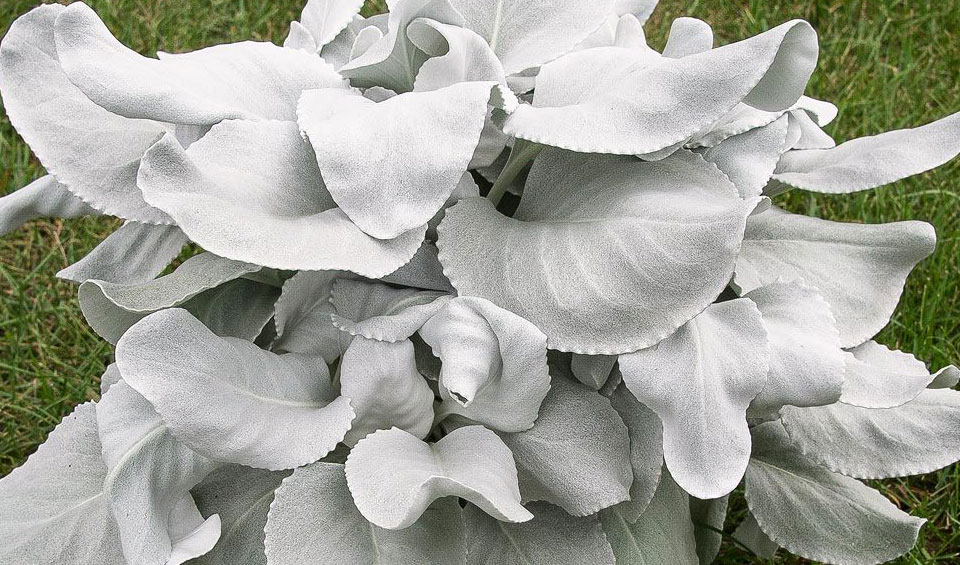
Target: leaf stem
pixel 522 154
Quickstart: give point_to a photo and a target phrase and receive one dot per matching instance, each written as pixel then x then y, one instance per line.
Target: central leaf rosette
pixel 502 252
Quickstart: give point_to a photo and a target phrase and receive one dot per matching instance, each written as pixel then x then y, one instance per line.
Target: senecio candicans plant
pixel 481 282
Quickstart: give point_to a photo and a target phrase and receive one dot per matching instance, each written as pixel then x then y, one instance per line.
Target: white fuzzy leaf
pixel 233 81
pixel 149 473
pixel 112 308
pixel 646 450
pixel 719 359
pixel 688 36
pixel 526 34
pixel 385 389
pixel 879 377
pixel 303 321
pixel 390 166
pixel 191 535
pixel 94 153
pixel 251 191
pixel 655 103
pixel 592 370
pixel 324 19
pixel 663 535
pixel 494 363
pixel 241 496
pixel 135 253
pixel 806 362
pixel 874 161
pixel 52 509
pixel 817 514
pixel 752 537
pixel 750 158
pixel 230 400
pixel 381 312
pixel 708 517
pixel 577 455
pixel 918 437
pixel 424 269
pixel 605 254
pixel 859 269
pixel 947 377
pixel 42 198
pixel 553 536
pixel 314 520
pixel 394 476
pixel 456 55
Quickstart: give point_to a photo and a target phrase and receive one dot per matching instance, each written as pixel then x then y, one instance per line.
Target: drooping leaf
pixel 859 269
pixel 577 454
pixel 241 496
pixel 817 514
pixel 719 359
pixel 385 389
pixel 527 34
pixel 234 81
pixel 879 377
pixel 42 198
pixel 92 152
pixel 251 191
pixel 314 520
pixel 112 308
pixel 806 362
pixel 381 312
pixel 135 253
pixel 494 363
pixel 870 162
pixel 230 400
pixel 918 437
pixel 552 536
pixel 394 477
pixel 52 509
pixel 662 535
pixel 605 254
pixel 390 166
pixel 646 450
pixel 654 103
pixel 149 474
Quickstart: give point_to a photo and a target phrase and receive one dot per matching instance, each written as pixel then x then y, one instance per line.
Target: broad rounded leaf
pixel 228 399
pixel 314 520
pixel 135 253
pixel 42 198
pixel 919 437
pixel 577 455
pixel 112 308
pixel 385 389
pixel 719 359
pixel 859 269
pixel 234 81
pixel 821 515
pixel 662 535
pixel 869 162
pixel 553 536
pixel 494 363
pixel 241 496
pixel 92 152
pixel 149 474
pixel 52 509
pixel 251 191
pixel 654 103
pixel 394 477
pixel 390 166
pixel 879 377
pixel 806 362
pixel 605 254
pixel 528 33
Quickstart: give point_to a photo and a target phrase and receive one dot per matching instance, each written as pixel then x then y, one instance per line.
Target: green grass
pixel 886 63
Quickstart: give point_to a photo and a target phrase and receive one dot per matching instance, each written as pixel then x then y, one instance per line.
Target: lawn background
pixel 887 64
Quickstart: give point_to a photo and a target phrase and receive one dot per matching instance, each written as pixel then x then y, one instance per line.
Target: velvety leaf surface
pixel 605 254
pixel 879 377
pixel 230 400
pixel 324 19
pixel 821 515
pixel 719 359
pixel 394 477
pixel 42 198
pixel 859 269
pixel 646 450
pixel 314 520
pixel 135 253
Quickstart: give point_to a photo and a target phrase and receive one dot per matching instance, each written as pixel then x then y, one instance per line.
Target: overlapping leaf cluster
pixel 371 362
